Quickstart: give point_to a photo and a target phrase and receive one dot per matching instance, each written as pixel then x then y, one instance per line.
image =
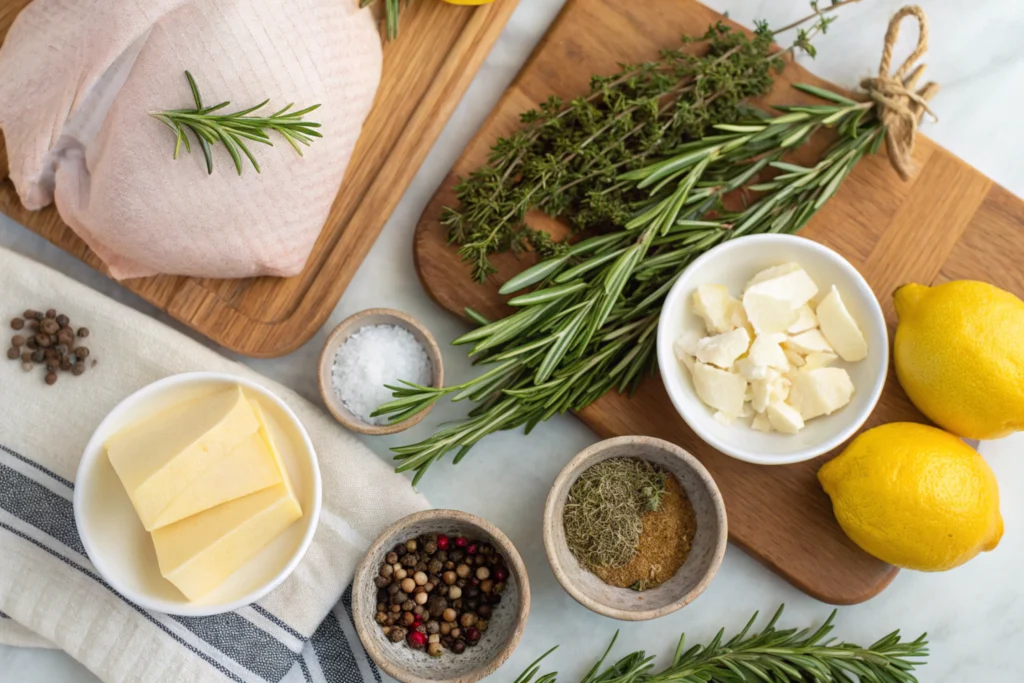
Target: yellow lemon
pixel 914 496
pixel 959 354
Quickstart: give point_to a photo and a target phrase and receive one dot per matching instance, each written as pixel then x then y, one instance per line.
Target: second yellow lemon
pixel 914 496
pixel 959 354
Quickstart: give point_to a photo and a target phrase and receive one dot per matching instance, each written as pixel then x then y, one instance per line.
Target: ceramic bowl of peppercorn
pixel 634 528
pixel 441 595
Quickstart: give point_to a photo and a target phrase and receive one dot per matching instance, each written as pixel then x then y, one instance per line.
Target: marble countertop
pixel 974 615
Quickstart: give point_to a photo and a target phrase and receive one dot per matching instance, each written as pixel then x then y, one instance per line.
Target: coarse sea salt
pixel 372 357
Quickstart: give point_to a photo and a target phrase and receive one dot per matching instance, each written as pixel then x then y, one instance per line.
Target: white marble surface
pixel 974 614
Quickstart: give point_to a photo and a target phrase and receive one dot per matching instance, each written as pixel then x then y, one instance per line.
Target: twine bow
pixel 898 105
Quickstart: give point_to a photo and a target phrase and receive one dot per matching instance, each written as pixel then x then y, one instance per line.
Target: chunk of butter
pixel 784 418
pixel 714 305
pixel 723 349
pixel 820 392
pixel 191 457
pixel 722 390
pixel 789 283
pixel 198 553
pixel 840 329
pixel 811 341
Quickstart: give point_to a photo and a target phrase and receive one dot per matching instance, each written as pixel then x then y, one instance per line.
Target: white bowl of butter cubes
pixel 198 494
pixel 773 348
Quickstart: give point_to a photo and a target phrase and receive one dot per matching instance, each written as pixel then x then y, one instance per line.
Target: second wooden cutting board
pixel 948 222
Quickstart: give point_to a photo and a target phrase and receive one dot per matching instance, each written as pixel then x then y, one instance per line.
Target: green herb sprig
pixel 568 158
pixel 771 655
pixel 589 325
pixel 232 130
pixel 392 10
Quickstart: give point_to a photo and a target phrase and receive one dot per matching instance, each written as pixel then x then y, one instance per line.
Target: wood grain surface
pixel 948 222
pixel 426 72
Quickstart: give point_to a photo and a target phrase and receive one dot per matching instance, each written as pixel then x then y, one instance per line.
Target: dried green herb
pixel 603 516
pixel 569 157
pixel 232 130
pixel 771 655
pixel 589 325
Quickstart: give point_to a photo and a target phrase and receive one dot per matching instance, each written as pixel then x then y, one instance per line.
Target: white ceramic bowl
pixel 732 264
pixel 122 550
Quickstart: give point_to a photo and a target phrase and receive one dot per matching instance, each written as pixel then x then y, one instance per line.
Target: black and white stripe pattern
pixel 249 645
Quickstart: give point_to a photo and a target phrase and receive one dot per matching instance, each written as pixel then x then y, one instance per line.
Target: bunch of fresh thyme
pixel 589 326
pixel 771 655
pixel 569 157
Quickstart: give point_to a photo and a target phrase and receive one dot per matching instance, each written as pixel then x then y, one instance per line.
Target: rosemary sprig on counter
pixel 589 326
pixel 769 655
pixel 232 130
pixel 568 158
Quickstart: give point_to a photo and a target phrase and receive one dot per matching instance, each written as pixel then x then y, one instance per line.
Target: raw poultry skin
pixel 78 79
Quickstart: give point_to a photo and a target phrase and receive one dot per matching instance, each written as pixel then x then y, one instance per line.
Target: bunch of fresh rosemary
pixel 771 656
pixel 589 326
pixel 569 158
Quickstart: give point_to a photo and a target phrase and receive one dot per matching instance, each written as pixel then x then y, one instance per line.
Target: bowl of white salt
pixel 365 352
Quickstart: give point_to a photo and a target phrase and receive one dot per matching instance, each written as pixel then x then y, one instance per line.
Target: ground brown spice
pixel 664 543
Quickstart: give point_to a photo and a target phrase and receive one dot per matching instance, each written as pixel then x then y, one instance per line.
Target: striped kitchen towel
pixel 50 593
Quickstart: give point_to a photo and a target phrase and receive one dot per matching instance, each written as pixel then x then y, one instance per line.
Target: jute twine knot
pixel 898 105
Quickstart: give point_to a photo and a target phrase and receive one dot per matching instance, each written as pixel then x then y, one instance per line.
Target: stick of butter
pixel 198 553
pixel 192 457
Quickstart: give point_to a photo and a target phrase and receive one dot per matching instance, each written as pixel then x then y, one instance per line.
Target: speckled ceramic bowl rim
pixel 366 570
pixel 326 362
pixel 582 461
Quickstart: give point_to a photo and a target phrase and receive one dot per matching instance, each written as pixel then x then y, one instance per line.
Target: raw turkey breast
pixel 78 79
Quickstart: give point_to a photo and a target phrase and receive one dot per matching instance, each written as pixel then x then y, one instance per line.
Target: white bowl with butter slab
pixel 733 265
pixel 228 533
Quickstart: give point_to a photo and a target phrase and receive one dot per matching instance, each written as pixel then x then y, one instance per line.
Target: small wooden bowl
pixel 701 564
pixel 506 625
pixel 345 329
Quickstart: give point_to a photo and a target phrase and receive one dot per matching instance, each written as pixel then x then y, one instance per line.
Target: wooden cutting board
pixel 948 222
pixel 426 71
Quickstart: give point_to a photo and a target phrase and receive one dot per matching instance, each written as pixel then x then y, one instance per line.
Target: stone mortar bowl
pixel 415 666
pixel 698 569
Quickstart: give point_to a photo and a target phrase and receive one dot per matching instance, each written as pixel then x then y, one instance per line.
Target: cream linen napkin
pixel 300 632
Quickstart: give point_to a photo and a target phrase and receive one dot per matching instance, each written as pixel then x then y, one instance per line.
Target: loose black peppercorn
pixel 51 378
pixel 51 313
pixel 12 353
pixel 38 356
pixel 83 332
pixel 63 320
pixel 30 315
pixel 17 324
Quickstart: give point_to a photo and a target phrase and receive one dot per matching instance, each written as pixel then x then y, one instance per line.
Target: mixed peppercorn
pixel 437 592
pixel 48 339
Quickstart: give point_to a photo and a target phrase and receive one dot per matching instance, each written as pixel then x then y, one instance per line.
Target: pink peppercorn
pixel 442 542
pixel 417 640
pixel 471 549
pixel 461 542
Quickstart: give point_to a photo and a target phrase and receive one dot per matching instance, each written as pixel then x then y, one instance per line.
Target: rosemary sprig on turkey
pixel 232 130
